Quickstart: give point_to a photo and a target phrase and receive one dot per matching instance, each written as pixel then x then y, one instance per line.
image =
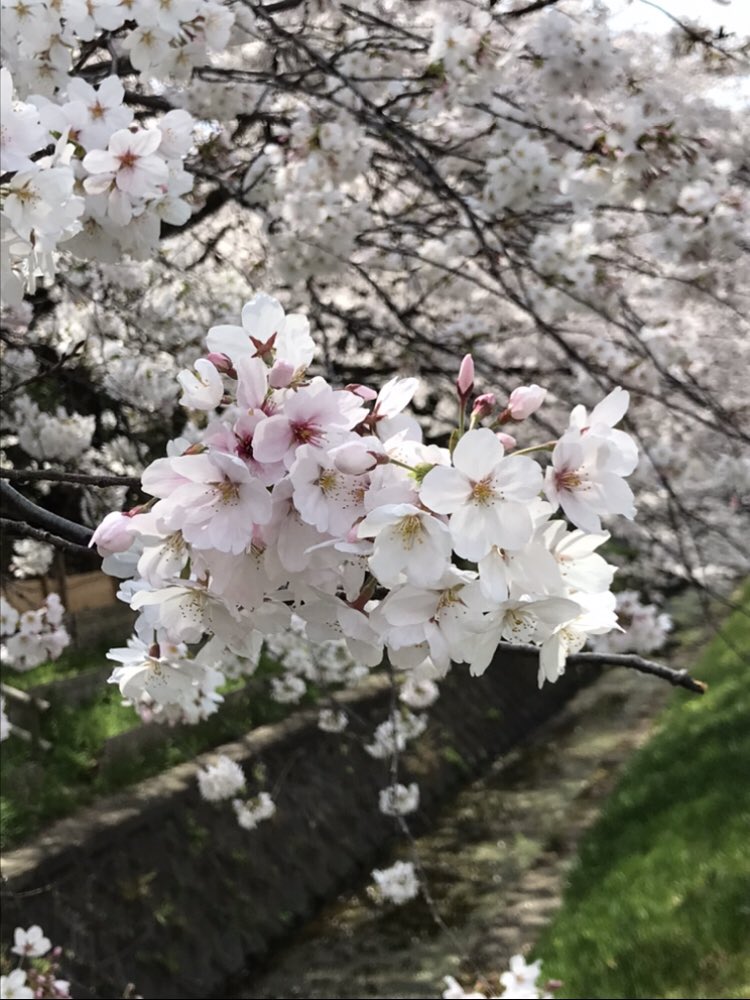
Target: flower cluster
pixel 222 780
pixel 39 977
pixel 31 558
pixel 519 982
pixel 251 812
pixel 399 800
pixel 645 628
pixel 397 884
pixel 84 176
pixel 32 637
pixel 226 780
pixel 298 502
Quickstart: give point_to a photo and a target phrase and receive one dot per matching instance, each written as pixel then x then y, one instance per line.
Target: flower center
pixel 327 481
pixel 482 492
pixel 450 597
pixel 410 529
pixel 229 492
pixel 307 433
pixel 568 479
pixel 128 160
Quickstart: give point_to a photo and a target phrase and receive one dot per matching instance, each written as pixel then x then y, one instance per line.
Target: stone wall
pixel 158 888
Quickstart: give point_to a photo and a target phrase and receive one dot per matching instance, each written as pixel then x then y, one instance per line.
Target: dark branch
pixel 80 478
pixel 59 526
pixel 678 678
pixel 27 531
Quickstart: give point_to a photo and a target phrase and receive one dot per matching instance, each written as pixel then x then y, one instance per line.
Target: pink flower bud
pixel 281 374
pixel 114 534
pixel 506 440
pixel 524 401
pixel 355 457
pixel 363 391
pixel 222 363
pixel 465 381
pixel 483 406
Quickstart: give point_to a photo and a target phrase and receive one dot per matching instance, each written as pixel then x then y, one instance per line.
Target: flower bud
pixel 114 534
pixel 465 381
pixel 524 401
pixel 483 406
pixel 222 363
pixel 354 458
pixel 506 440
pixel 363 391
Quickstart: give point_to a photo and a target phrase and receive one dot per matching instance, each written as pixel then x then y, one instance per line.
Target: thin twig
pixel 678 678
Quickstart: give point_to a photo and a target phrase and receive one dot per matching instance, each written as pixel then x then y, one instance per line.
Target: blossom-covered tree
pixel 245 246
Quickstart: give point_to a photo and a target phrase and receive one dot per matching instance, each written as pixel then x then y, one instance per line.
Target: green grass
pixel 39 789
pixel 72 661
pixel 658 904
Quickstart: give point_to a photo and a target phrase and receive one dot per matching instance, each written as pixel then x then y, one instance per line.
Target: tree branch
pixel 22 528
pixel 678 678
pixel 60 526
pixel 52 476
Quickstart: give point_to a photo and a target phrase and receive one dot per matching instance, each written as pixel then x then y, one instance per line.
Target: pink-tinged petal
pixel 145 142
pixel 111 91
pixel 262 317
pixel 149 174
pixel 482 650
pixel 555 610
pixel 231 465
pixel 551 660
pixel 110 18
pixel 477 453
pixel 568 453
pixel 98 183
pixel 550 486
pixel 622 452
pixel 516 526
pixel 612 408
pixel 176 212
pixel 273 439
pixel 444 490
pixel 79 90
pixel 120 142
pixel 281 374
pixel 395 395
pixel 100 161
pixel 518 477
pixel 493 576
pixel 230 340
pixel 474 531
pixel 383 517
pixel 410 606
pixel 617 496
pixel 579 513
pixel 252 382
pixel 160 479
pixel 119 207
pixel 196 468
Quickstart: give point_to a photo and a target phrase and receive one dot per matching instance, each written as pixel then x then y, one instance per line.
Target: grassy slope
pixel 659 902
pixel 37 791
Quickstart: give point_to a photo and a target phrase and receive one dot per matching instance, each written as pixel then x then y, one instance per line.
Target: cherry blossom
pixel 486 494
